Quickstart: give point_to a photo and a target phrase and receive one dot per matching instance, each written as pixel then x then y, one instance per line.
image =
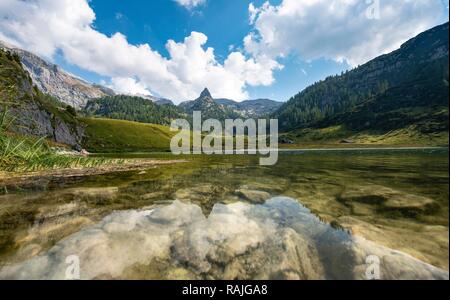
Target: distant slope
pixel 407 88
pixel 50 79
pixel 106 135
pixel 33 112
pixel 422 103
pixel 251 108
pixel 132 108
pixel 156 100
pixel 163 101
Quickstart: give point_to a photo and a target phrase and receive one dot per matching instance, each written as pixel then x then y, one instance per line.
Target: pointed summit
pixel 205 94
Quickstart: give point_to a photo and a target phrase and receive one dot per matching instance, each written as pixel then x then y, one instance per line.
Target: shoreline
pixel 12 178
pixel 135 164
pixel 364 148
pixel 388 148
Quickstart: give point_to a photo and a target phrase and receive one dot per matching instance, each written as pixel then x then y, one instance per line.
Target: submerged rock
pixel 203 195
pixel 257 197
pixel 200 194
pixel 347 141
pixel 109 192
pixel 278 240
pixel 154 195
pixel 426 243
pixel 363 199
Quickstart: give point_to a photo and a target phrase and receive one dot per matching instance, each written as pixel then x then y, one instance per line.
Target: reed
pixel 27 154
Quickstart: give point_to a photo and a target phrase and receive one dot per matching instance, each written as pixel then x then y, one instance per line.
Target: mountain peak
pixel 205 93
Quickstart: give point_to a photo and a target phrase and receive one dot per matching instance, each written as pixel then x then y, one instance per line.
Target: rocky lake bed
pixel 313 216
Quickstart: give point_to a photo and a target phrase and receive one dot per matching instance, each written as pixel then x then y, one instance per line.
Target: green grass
pixel 28 154
pixel 404 136
pixel 409 136
pixel 329 134
pixel 106 135
pixel 115 136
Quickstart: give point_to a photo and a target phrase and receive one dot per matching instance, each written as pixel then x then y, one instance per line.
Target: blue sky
pixel 225 22
pixel 285 46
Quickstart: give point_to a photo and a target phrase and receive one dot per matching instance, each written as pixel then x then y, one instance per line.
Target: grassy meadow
pixel 114 136
pixel 340 136
pixel 107 135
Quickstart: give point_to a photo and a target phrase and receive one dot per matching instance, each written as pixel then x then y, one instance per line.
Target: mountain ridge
pixel 403 89
pixel 75 91
pixel 252 108
pixel 209 108
pixel 52 80
pixel 408 73
pixel 230 109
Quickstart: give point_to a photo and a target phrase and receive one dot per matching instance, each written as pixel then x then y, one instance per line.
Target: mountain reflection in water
pixel 279 239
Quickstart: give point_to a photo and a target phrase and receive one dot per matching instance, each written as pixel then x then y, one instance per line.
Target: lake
pixel 315 215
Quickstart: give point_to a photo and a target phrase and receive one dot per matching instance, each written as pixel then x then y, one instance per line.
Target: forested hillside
pixel 406 87
pixel 131 108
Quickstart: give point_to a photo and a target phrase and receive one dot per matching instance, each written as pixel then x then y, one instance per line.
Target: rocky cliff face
pixel 50 79
pixel 34 119
pixel 35 113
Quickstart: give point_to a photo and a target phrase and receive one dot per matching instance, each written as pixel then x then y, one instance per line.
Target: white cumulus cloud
pixel 129 86
pixel 190 3
pixel 48 26
pixel 351 31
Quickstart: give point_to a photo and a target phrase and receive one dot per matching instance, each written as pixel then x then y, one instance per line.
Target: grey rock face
pixel 65 134
pixel 34 120
pixel 50 79
pixel 32 112
pixel 205 93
